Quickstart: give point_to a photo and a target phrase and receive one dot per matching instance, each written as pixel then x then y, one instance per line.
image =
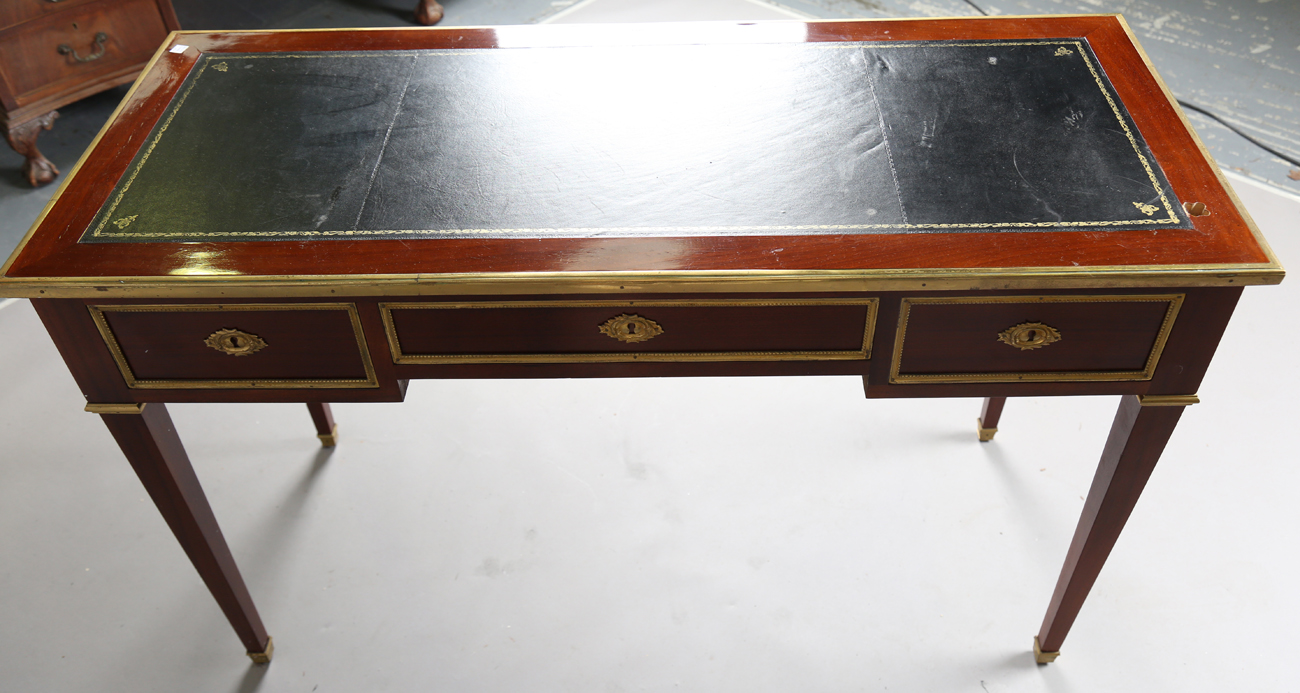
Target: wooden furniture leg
pixel 988 420
pixel 326 429
pixel 428 12
pixel 22 137
pixel 148 439
pixel 1142 428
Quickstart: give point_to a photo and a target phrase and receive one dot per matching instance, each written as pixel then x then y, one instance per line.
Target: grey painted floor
pixel 690 534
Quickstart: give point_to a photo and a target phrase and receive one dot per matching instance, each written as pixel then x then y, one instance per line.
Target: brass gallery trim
pixel 1168 400
pixel 97 313
pixel 864 353
pixel 559 283
pixel 1175 303
pixel 136 408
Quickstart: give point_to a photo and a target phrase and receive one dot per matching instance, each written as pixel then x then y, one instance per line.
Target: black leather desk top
pixel 758 140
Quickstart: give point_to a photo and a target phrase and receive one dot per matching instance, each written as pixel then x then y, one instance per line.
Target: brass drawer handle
pixel 100 38
pixel 235 342
pixel 631 328
pixel 1029 335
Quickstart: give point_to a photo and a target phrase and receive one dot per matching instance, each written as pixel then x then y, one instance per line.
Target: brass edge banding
pixel 728 281
pixel 1205 153
pixel 1044 657
pixel 1153 358
pixel 135 408
pixel 97 314
pixel 864 353
pixel 1168 400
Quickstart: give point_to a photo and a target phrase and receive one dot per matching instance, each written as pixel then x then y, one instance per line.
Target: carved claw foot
pixel 428 12
pixel 22 137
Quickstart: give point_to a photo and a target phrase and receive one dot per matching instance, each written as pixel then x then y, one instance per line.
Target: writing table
pixel 946 208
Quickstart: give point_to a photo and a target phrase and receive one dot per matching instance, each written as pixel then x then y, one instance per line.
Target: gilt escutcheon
pixel 631 328
pixel 1029 335
pixel 235 342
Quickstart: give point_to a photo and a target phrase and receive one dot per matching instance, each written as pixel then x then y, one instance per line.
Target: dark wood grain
pixel 1136 440
pixel 1223 237
pixel 150 443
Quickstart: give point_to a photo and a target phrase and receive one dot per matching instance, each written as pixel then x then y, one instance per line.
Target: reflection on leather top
pixel 756 140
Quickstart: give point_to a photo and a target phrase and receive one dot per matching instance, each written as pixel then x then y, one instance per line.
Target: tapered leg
pixel 22 137
pixel 1136 440
pixel 988 421
pixel 149 441
pixel 326 429
pixel 428 12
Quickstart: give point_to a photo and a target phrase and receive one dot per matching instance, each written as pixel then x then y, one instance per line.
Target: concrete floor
pixel 691 534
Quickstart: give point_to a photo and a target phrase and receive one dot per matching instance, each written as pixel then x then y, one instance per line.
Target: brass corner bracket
pixel 1168 400
pixel 986 434
pixel 263 657
pixel 133 408
pixel 1044 657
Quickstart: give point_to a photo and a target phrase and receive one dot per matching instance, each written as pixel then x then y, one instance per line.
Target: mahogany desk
pixel 946 208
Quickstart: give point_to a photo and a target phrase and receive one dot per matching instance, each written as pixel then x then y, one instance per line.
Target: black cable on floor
pixel 977 7
pixel 1252 140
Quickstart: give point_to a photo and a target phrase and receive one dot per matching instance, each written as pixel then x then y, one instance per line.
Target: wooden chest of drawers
pixel 54 52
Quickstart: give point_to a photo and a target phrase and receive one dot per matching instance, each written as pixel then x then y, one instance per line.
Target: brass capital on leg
pixel 263 657
pixel 1044 657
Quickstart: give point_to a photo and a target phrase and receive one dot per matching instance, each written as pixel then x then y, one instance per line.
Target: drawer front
pixel 132 30
pixel 271 346
pixel 626 331
pixel 18 11
pixel 1031 338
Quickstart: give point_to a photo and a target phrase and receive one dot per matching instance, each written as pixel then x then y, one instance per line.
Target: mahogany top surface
pixel 1035 149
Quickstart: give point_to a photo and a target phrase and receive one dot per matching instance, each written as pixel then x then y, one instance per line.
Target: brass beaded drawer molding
pixel 1088 338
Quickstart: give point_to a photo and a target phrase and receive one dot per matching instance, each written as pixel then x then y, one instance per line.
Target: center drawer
pixel 613 331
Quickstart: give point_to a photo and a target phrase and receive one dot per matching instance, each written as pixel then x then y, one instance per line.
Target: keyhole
pixel 234 342
pixel 631 328
pixel 1031 335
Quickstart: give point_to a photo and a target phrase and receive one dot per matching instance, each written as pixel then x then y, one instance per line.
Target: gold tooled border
pixel 1103 85
pixel 1175 303
pixel 868 333
pixel 97 312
